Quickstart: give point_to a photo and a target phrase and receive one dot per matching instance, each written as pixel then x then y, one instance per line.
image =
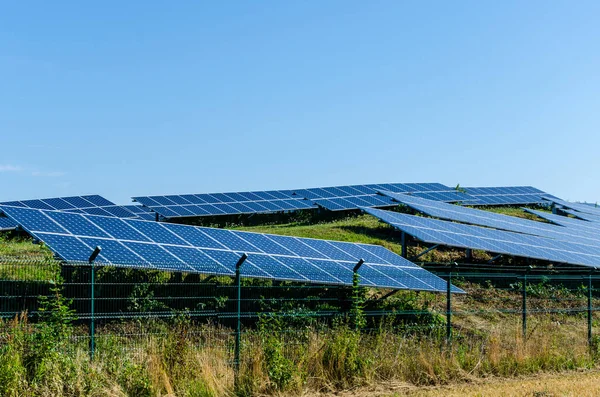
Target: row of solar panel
pixel 127 242
pixel 502 190
pixel 247 207
pixel 496 241
pixel 336 198
pixel 360 190
pixel 565 221
pixel 331 198
pixel 583 208
pixel 498 221
pixel 514 199
pixel 91 204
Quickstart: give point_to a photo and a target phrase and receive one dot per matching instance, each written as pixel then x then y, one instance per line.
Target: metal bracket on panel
pixel 495 258
pixel 94 254
pixel 412 258
pixel 358 265
pixel 388 294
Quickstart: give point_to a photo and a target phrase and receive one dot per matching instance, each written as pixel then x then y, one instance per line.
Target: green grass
pixel 359 229
pixel 516 212
pixel 22 260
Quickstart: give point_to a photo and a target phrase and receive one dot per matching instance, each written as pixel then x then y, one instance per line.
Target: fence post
pixel 355 281
pixel 589 309
pixel 238 327
pixel 524 308
pixel 449 305
pixel 91 260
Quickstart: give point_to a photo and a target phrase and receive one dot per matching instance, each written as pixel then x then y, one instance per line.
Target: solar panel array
pixel 583 215
pixel 171 247
pixel 579 207
pixel 187 205
pixel 497 241
pixel 498 221
pixel 340 198
pixel 90 204
pixel 508 195
pixel 334 198
pixel 566 221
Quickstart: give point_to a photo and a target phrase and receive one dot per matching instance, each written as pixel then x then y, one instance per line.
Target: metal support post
pixel 403 242
pixel 238 327
pixel 469 255
pixel 92 298
pixel 412 258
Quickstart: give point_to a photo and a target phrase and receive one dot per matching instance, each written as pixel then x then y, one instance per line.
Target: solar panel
pixel 334 198
pixel 498 221
pixel 586 209
pixel 506 195
pixel 7 224
pixel 566 221
pixel 90 204
pixel 497 241
pixel 212 204
pixel 341 198
pixel 583 215
pixel 156 245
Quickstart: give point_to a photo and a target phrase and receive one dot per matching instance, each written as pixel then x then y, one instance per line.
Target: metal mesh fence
pixel 129 310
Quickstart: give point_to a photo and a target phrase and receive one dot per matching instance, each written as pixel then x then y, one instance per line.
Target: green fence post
pixel 238 327
pixel 449 306
pixel 589 309
pixel 524 308
pixel 92 298
pixel 355 281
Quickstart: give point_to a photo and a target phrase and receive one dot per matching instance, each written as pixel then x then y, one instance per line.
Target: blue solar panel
pixel 7 224
pixel 506 195
pixel 585 208
pixel 497 241
pixel 216 204
pixel 583 215
pixel 566 221
pixel 353 197
pixel 484 218
pixel 155 245
pixel 335 198
pixel 91 204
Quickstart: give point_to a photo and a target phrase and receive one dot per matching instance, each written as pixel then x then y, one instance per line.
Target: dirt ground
pixel 576 384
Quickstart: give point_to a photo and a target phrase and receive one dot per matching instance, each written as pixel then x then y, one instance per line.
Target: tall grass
pixel 193 360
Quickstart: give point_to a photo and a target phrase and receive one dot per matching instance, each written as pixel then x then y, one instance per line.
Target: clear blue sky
pixel 135 98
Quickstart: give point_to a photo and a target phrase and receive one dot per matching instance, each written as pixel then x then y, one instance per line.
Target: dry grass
pixel 571 384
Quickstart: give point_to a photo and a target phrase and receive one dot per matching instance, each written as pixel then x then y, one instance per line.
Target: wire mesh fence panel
pixel 250 328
